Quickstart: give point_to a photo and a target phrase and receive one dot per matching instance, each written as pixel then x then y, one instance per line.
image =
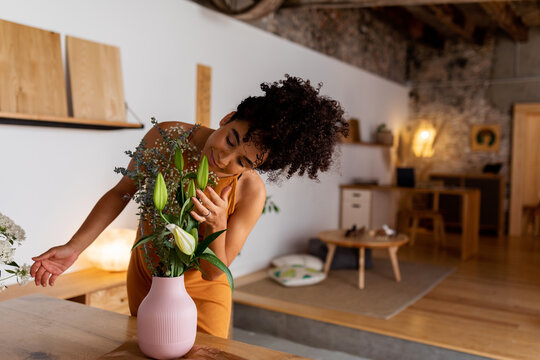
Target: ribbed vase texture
pixel 167 319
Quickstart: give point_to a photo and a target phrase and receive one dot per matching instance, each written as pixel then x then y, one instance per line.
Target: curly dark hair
pixel 296 126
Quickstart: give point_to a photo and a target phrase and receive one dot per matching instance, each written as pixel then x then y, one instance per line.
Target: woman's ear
pixel 227 118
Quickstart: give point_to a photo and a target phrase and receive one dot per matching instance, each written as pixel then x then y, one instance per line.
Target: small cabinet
pixel 355 208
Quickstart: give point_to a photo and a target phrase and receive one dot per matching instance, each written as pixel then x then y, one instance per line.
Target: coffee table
pixel 334 238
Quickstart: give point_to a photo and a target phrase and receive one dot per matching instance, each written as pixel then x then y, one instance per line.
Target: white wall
pixel 50 178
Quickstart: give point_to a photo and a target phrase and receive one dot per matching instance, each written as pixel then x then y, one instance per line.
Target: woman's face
pixel 226 151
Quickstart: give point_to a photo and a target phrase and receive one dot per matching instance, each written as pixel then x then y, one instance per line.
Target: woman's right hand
pixel 52 263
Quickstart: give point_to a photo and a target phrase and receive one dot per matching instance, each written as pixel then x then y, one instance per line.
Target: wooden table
pixel 334 238
pixel 42 327
pixel 470 209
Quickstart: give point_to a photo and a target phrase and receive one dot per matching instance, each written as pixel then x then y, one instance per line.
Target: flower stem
pixel 9 277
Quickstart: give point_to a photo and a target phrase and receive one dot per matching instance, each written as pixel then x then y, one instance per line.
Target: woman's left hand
pixel 211 209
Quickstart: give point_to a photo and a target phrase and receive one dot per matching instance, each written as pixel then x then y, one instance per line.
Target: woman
pixel 291 129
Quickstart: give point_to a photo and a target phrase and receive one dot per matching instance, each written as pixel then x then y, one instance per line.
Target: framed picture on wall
pixel 486 137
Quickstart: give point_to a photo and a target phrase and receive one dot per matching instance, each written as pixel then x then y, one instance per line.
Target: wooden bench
pixel 93 287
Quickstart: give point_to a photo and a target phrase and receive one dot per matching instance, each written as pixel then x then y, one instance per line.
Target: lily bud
pixel 179 160
pixel 191 190
pixel 160 192
pixel 184 240
pixel 202 173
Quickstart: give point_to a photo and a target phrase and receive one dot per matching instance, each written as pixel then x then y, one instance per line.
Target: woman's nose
pixel 224 158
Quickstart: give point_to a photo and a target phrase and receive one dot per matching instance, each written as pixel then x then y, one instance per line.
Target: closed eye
pixel 229 142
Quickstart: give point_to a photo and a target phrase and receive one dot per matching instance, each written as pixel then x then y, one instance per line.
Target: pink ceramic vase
pixel 167 319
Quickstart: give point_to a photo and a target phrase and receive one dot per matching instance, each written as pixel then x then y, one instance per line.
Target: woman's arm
pixel 49 265
pixel 251 196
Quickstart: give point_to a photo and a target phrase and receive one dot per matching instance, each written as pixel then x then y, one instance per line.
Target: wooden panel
pixel 525 185
pixel 204 91
pixel 31 72
pixel 112 299
pixel 64 121
pixel 95 73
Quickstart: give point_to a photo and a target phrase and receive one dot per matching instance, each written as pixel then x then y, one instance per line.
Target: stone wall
pixel 450 89
pixel 465 84
pixel 354 36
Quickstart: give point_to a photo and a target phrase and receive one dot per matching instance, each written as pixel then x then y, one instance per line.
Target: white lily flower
pixel 184 240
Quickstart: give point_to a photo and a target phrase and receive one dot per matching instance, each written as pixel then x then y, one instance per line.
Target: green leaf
pixel 183 210
pixel 185 259
pixel 195 233
pixel 144 240
pixel 171 218
pixel 214 260
pixel 11 271
pixel 198 267
pixel 207 241
pixel 190 175
pixel 180 194
pixel 179 160
pixel 160 192
pixel 13 263
pixel 212 182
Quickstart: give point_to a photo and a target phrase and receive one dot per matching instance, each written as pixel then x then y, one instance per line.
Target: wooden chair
pixel 413 218
pixel 531 220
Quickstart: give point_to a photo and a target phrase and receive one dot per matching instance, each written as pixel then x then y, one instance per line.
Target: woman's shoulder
pixel 172 128
pixel 251 187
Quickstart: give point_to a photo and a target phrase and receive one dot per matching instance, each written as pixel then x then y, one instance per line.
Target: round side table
pixel 334 238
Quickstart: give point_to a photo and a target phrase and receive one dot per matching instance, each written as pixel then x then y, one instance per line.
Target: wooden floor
pixel 490 306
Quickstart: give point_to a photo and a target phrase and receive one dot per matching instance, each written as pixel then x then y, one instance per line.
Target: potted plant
pixel 384 135
pixel 167 317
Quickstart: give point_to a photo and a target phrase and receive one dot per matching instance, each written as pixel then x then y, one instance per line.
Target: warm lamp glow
pixel 424 137
pixel 111 250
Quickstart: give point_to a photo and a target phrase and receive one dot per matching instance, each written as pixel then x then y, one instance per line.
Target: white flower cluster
pixel 10 230
pixel 6 252
pixel 11 234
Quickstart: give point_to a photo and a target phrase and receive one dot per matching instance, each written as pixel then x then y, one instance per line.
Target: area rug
pixel 382 297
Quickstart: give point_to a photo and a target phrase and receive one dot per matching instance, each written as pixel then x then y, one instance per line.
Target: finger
pixel 34 268
pixel 47 254
pixel 39 274
pixel 225 193
pixel 198 217
pixel 200 209
pixel 215 197
pixel 52 279
pixel 44 278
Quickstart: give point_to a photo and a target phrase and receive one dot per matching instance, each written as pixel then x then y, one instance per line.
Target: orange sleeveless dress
pixel 212 298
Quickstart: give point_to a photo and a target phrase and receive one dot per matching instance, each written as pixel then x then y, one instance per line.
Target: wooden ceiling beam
pixel 506 18
pixel 448 20
pixel 374 3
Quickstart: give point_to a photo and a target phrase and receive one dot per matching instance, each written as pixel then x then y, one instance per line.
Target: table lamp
pixel 112 249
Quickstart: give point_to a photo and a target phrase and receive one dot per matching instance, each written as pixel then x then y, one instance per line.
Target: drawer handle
pixel 356 206
pixel 356 194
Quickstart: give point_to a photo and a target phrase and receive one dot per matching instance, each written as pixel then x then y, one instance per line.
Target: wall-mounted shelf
pixel 363 143
pixel 65 122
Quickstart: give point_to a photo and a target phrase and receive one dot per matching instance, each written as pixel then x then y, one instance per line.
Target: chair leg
pixel 413 230
pixel 436 230
pixel 443 231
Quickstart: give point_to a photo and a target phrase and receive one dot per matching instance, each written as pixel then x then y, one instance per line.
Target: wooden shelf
pixel 363 143
pixel 65 122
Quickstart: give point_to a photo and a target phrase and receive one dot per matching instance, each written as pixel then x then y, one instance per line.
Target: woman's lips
pixel 211 159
